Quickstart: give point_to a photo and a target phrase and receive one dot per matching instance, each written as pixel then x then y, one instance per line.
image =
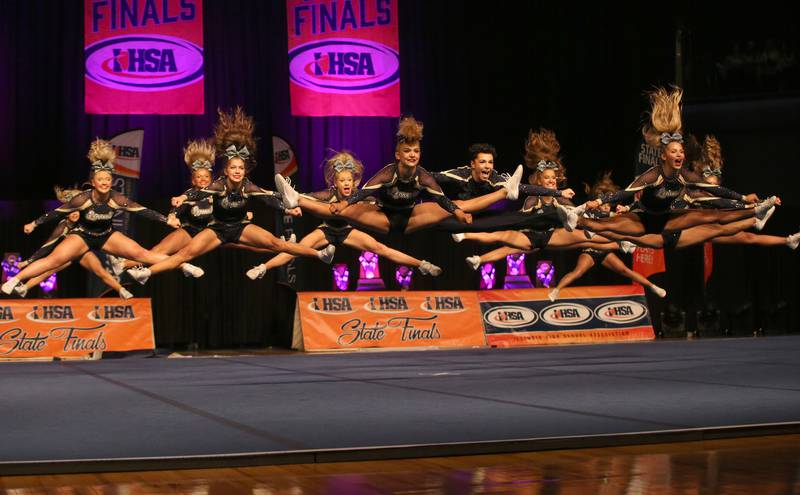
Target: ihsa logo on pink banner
pixel 343 65
pixel 149 62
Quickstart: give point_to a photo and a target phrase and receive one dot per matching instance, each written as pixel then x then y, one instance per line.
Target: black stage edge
pixel 392 452
pixel 154 414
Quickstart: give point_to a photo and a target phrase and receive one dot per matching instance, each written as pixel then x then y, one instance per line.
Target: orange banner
pixel 73 327
pixel 648 261
pixel 524 317
pixel 352 320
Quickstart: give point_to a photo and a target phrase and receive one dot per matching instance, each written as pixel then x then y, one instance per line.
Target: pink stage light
pixel 487 276
pixel 341 276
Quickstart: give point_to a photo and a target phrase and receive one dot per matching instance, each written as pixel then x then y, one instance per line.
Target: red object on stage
pixel 648 261
pixel 708 261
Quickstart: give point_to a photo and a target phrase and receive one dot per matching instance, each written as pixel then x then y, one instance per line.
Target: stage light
pixel 545 271
pixel 403 275
pixel 49 284
pixel 369 275
pixel 487 276
pixel 516 274
pixel 10 265
pixel 341 276
pixel 673 322
pixel 708 321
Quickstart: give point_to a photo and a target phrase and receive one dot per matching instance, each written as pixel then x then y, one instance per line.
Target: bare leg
pixel 425 215
pixel 562 239
pixel 703 233
pixel 317 208
pixel 654 241
pixel 70 248
pixel 315 239
pixel 625 224
pixel 616 265
pixel 751 239
pixel 121 245
pixel 510 238
pixel 39 279
pixel 254 235
pixel 584 264
pixel 169 245
pixel 367 216
pixel 366 242
pixel 693 218
pixel 500 254
pixel 481 202
pixel 92 264
pixel 608 246
pixel 200 244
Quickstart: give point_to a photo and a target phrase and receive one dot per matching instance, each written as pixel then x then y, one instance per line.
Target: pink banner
pixel 143 56
pixel 344 58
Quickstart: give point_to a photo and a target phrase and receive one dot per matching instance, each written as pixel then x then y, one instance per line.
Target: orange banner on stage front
pixel 352 320
pixel 74 327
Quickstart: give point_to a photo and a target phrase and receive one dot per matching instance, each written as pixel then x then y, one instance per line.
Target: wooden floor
pixel 761 465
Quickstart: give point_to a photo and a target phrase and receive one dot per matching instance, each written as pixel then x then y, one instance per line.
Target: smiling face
pixel 102 181
pixel 673 155
pixel 201 178
pixel 408 154
pixel 235 170
pixel 547 178
pixel 344 183
pixel 482 166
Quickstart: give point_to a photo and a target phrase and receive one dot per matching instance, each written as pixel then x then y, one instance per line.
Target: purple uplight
pixel 544 273
pixel 403 275
pixel 487 276
pixel 49 284
pixel 341 276
pixel 515 264
pixel 369 265
pixel 10 265
pixel 369 277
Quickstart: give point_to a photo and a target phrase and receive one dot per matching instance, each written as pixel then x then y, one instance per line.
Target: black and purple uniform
pixel 398 196
pixel 542 219
pixel 229 216
pixel 661 195
pixel 195 213
pixel 95 223
pixel 336 230
pixel 459 183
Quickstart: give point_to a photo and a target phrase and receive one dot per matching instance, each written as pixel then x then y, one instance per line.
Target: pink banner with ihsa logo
pixel 344 58
pixel 143 56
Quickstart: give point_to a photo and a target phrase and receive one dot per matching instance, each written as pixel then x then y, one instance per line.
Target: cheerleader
pixel 343 173
pixel 397 187
pixel 229 195
pixel 94 230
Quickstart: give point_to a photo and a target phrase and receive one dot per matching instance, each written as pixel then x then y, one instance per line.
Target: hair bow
pixel 232 152
pixel 339 166
pixel 708 172
pixel 545 164
pixel 100 166
pixel 667 138
pixel 198 164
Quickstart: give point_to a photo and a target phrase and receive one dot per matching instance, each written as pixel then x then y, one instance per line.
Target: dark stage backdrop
pixel 487 74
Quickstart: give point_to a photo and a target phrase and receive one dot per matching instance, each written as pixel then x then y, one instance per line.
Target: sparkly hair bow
pixel 340 166
pixel 101 166
pixel 232 152
pixel 545 164
pixel 198 164
pixel 667 138
pixel 708 172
